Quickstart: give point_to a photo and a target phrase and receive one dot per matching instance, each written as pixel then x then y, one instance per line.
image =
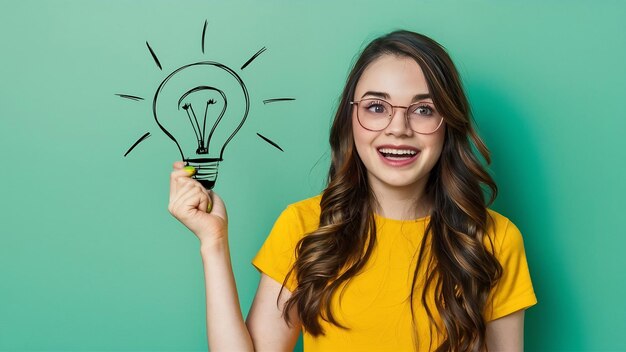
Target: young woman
pixel 399 252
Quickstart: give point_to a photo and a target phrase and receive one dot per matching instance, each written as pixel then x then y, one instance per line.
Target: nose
pixel 399 126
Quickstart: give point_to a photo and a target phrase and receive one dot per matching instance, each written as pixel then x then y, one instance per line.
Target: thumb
pixel 218 206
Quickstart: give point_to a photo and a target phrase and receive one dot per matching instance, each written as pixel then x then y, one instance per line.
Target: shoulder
pixel 496 219
pixel 277 254
pixel 514 289
pixel 299 218
pixel 305 213
pixel 307 207
pixel 502 231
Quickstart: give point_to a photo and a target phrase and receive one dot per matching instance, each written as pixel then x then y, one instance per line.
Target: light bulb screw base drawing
pixel 206 170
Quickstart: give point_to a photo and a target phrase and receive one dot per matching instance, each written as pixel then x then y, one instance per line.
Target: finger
pixel 176 176
pixel 185 184
pixel 219 208
pixel 206 204
pixel 182 186
pixel 179 165
pixel 190 197
pixel 185 180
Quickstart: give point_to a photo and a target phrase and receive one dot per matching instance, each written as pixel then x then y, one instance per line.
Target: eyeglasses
pixel 376 115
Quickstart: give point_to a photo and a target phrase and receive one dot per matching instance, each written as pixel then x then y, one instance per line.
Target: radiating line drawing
pixel 253 57
pixel 131 97
pixel 274 100
pixel 141 139
pixel 270 142
pixel 197 95
pixel 204 33
pixel 156 59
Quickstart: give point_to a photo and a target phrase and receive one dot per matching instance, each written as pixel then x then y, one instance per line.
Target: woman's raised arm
pixel 226 330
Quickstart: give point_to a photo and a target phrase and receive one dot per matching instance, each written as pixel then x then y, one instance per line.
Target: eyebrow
pixel 384 95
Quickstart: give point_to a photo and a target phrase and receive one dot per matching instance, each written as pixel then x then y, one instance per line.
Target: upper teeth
pixel 397 151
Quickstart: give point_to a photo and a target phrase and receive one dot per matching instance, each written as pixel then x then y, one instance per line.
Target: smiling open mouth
pixel 397 154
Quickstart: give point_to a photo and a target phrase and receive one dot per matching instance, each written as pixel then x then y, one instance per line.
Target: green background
pixel 90 258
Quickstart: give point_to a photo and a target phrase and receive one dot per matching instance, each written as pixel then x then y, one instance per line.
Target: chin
pixel 402 182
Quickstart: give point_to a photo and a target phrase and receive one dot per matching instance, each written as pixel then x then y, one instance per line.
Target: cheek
pixel 358 133
pixel 435 143
pixel 355 124
pixel 439 139
pixel 363 139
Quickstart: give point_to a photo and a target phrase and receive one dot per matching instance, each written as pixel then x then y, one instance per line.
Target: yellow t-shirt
pixel 375 303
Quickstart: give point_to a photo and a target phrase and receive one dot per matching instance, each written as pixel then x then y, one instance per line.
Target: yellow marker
pixel 209 207
pixel 190 170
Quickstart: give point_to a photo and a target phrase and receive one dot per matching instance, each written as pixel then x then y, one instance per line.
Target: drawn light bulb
pixel 201 107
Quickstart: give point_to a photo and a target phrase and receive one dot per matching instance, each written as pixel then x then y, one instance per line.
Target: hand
pixel 189 201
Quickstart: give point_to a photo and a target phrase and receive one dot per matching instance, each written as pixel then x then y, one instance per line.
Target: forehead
pixel 399 76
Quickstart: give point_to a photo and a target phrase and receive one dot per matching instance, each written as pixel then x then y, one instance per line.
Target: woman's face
pixel 396 157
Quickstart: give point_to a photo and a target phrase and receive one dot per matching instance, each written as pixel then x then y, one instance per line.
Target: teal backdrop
pixel 90 258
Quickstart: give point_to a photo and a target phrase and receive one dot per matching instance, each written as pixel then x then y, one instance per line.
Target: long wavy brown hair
pixel 458 268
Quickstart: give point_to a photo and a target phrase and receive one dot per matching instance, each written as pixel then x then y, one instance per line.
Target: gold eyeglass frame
pixel 393 112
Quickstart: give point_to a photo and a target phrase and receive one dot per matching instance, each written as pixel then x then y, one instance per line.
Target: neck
pixel 402 203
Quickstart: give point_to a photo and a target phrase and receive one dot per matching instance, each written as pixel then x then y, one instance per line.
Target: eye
pixel 422 109
pixel 376 107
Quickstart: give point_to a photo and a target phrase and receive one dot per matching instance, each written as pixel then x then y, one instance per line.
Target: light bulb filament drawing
pixel 203 144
